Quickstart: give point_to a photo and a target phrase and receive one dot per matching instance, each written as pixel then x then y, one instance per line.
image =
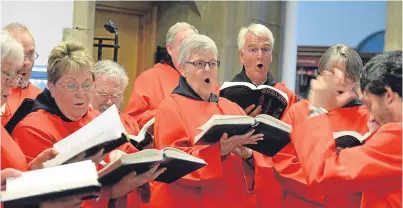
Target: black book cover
pixel 215 133
pixel 107 146
pixel 347 141
pixel 274 140
pixel 176 168
pixel 34 201
pixel 271 101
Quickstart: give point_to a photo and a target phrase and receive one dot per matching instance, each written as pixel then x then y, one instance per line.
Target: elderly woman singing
pixel 228 179
pixel 63 108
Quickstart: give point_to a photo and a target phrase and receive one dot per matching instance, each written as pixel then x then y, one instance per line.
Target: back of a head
pixel 349 56
pixel 112 70
pixel 257 29
pixel 68 56
pixel 196 43
pixel 179 26
pixel 10 49
pixel 384 70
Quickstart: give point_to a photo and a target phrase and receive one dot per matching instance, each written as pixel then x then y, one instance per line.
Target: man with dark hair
pixel 375 167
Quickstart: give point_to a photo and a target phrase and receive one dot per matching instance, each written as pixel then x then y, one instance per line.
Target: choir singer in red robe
pixel 63 108
pixel 228 178
pixel 374 168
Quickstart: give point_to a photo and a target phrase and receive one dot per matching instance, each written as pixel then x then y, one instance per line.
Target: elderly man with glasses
pixel 111 81
pixel 255 46
pixel 24 88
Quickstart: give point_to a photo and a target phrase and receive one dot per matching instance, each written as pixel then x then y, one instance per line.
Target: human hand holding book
pixel 228 144
pixel 132 181
pixel 255 112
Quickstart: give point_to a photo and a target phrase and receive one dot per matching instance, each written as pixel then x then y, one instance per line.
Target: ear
pixel 182 69
pixel 51 88
pixel 169 48
pixel 389 95
pixel 241 54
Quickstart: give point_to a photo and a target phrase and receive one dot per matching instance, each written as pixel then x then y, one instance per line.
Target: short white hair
pixel 196 43
pixel 17 27
pixel 10 48
pixel 257 29
pixel 179 26
pixel 112 70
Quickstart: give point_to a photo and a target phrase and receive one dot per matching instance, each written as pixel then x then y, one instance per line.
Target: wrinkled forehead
pixel 25 39
pixel 106 82
pixel 252 39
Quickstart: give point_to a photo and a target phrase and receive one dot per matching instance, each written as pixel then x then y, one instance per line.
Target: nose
pixel 109 101
pixel 79 93
pixel 207 67
pixel 259 54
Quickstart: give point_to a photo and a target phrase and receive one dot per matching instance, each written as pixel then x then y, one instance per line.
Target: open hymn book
pixel 37 186
pixel 345 139
pixel 273 101
pixel 177 162
pixel 104 132
pixel 276 133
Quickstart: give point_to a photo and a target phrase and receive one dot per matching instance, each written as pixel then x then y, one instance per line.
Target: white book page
pixel 230 84
pixel 103 128
pixel 213 118
pixel 55 178
pixel 357 135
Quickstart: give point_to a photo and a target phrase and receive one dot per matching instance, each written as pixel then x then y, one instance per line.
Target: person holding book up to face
pixel 351 117
pixel 12 158
pixel 375 167
pixel 111 81
pixel 228 178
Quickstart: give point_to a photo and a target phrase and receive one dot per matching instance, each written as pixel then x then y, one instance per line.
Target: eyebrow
pixel 76 80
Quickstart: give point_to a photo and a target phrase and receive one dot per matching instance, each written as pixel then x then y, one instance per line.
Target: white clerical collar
pixel 262 82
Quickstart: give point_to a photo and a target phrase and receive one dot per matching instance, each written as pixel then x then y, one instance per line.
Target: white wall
pixel 45 19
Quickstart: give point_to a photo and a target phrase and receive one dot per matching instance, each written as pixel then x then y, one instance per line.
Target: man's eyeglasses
pixel 202 64
pixel 118 95
pixel 265 51
pixel 31 56
pixel 74 87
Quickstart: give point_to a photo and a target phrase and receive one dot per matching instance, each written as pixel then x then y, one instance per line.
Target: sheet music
pixel 105 127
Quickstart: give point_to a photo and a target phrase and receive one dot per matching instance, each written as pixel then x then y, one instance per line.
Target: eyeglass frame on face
pixel 264 51
pixel 33 54
pixel 77 86
pixel 113 96
pixel 199 67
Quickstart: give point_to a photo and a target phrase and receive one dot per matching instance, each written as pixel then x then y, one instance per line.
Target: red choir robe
pixel 41 128
pixel 151 88
pixel 296 194
pixel 17 95
pixel 374 168
pixel 266 182
pixel 11 154
pixel 227 183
